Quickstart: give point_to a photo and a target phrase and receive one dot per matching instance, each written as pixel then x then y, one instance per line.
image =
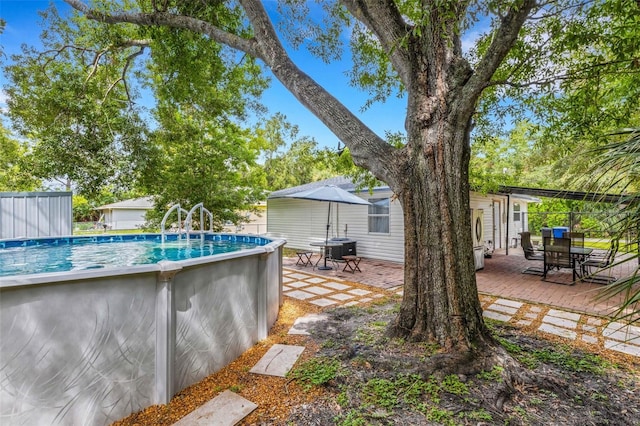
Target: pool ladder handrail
pixel 166 216
pixel 203 210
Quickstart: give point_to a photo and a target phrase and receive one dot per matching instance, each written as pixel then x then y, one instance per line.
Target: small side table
pixel 351 263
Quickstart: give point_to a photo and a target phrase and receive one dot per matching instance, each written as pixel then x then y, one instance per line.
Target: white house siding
pixel 516 227
pixel 303 221
pixel 374 245
pixel 125 219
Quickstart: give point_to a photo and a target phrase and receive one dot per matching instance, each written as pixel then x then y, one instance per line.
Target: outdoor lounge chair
pixel 530 254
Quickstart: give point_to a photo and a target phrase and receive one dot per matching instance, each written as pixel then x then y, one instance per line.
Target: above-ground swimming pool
pixel 87 341
pixel 40 255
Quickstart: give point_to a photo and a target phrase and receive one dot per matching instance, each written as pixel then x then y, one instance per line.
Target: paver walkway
pixel 325 291
pixel 588 329
pixel 334 288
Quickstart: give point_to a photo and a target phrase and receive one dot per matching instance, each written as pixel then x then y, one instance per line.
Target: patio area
pixel 501 277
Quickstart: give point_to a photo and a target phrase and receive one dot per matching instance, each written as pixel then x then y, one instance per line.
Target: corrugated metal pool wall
pixel 35 214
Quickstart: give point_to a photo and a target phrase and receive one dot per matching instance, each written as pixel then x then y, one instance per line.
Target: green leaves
pixel 15 174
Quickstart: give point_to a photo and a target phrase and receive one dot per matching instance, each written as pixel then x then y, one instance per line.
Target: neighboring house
pixel 127 214
pixel 254 222
pixel 379 229
pixel 35 214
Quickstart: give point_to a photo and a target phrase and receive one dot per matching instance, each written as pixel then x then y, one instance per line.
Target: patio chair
pixel 558 256
pixel 530 254
pixel 577 238
pixel 595 263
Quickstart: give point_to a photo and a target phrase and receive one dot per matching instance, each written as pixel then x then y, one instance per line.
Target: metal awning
pixel 569 195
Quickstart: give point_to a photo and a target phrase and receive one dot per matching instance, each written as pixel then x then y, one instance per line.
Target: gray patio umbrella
pixel 332 194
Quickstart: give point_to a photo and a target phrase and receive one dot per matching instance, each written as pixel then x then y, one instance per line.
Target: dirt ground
pixel 369 379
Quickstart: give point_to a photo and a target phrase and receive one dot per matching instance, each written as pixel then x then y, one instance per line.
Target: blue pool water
pixel 22 257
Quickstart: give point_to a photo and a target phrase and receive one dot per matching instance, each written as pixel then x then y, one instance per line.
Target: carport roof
pixel 519 192
pixel 569 195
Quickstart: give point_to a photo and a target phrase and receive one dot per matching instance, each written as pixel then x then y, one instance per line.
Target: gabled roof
pixel 143 203
pixel 339 181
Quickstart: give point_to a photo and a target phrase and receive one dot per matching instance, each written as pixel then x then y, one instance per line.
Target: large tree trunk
pixel 440 301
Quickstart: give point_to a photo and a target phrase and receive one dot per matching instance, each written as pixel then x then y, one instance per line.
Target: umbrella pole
pixel 326 242
pixel 326 238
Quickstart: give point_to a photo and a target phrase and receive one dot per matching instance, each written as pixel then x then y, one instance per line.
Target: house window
pixel 516 212
pixel 379 215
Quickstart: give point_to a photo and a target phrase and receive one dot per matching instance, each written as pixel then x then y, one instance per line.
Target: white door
pixel 497 237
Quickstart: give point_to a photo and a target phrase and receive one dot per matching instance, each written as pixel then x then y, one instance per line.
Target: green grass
pixel 316 372
pixel 562 356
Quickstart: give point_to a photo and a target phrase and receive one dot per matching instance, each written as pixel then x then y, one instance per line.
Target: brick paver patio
pixel 506 294
pixel 500 277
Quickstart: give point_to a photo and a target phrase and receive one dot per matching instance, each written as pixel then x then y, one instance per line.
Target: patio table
pixel 326 247
pixel 577 254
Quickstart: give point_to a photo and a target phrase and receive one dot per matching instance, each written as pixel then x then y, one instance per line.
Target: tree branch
pixel 122 77
pixel 383 18
pixel 169 20
pixel 501 44
pixel 574 75
pixel 363 143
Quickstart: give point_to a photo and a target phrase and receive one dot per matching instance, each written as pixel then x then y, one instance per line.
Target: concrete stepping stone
pixel 301 325
pixel 323 303
pixel 558 331
pixel 318 290
pixel 299 276
pixel 341 296
pixel 226 409
pixel 622 332
pixel 564 314
pixel 496 316
pixel 278 360
pixel 298 284
pixel 511 303
pixel 359 292
pixel 509 310
pixel 300 295
pixel 622 347
pixel 560 322
pixel 335 285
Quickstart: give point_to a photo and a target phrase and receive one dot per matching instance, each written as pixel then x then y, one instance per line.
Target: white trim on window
pixel 517 212
pixel 378 221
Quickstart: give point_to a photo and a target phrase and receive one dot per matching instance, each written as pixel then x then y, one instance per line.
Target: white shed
pixel 379 229
pixel 35 214
pixel 127 214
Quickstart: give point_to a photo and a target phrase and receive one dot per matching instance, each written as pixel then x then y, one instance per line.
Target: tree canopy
pixel 15 174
